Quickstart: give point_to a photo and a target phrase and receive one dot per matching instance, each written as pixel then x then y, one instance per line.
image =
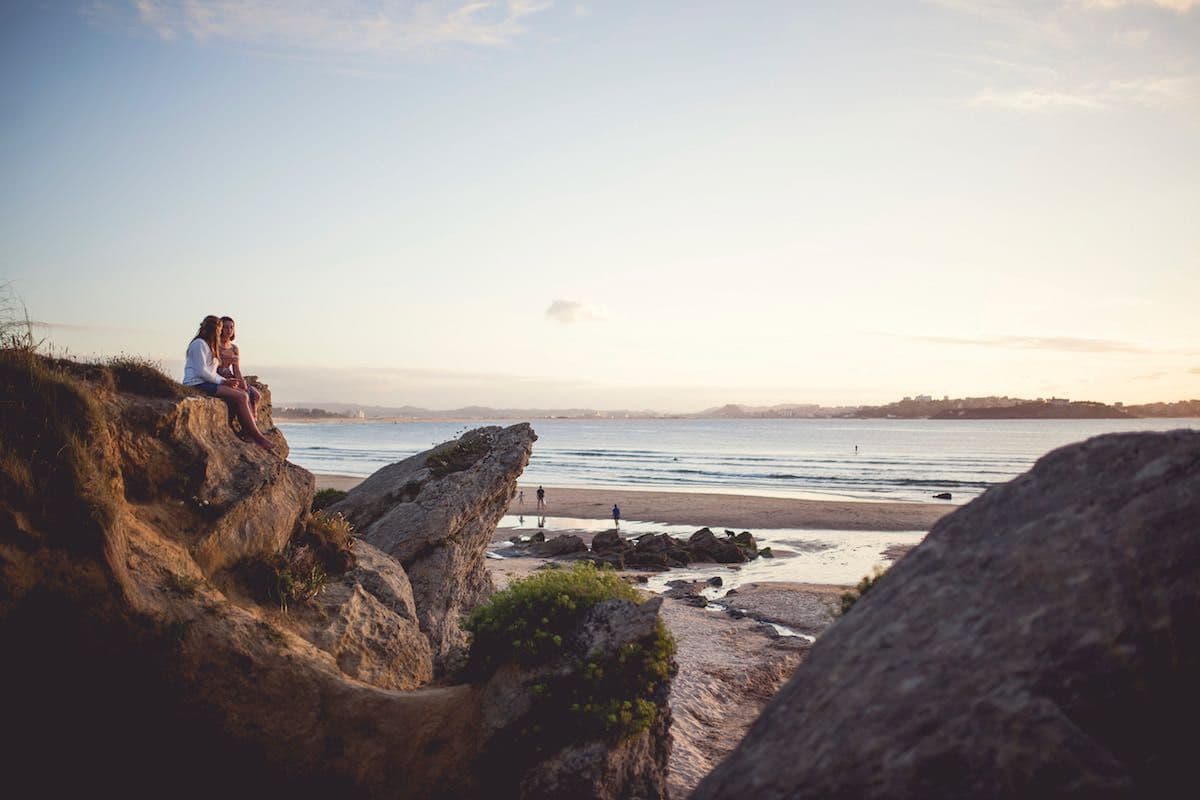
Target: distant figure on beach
pixel 200 372
pixel 230 358
pixel 616 515
pixel 541 496
pixel 521 497
pixel 855 449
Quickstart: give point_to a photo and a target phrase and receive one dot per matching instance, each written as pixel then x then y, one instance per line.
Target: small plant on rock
pixel 586 696
pixel 326 497
pixel 849 598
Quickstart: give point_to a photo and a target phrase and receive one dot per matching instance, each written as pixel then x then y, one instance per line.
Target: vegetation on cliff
pixel 585 695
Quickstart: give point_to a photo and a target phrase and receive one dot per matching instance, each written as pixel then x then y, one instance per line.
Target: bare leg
pixel 255 396
pixel 239 401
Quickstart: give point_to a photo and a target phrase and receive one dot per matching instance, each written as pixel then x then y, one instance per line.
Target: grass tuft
pixel 852 596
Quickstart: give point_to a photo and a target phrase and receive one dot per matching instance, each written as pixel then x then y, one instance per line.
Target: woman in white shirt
pixel 200 372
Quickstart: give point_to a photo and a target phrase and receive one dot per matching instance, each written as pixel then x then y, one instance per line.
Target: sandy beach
pixel 747 512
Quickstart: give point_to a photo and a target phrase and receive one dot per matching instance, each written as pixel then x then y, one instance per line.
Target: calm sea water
pixel 895 459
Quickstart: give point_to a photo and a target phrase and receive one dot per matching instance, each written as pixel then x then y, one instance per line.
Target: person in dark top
pixel 616 515
pixel 541 496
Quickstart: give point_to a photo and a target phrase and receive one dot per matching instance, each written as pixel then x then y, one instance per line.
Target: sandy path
pixel 744 512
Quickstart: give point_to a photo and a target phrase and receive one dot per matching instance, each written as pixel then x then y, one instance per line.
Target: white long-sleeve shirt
pixel 201 365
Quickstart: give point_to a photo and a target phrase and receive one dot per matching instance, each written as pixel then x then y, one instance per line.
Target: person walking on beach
pixel 616 515
pixel 231 367
pixel 541 496
pixel 200 372
pixel 521 497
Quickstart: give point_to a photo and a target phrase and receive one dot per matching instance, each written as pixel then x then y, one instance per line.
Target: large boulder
pixel 435 513
pixel 705 546
pixel 1044 640
pixel 246 503
pixel 367 621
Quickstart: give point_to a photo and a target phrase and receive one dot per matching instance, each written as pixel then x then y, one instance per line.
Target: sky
pixel 615 204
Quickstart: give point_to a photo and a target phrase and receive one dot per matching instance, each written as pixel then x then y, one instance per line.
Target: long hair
pixel 208 332
pixel 223 326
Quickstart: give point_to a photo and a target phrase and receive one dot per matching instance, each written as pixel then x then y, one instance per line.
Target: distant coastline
pixel 921 407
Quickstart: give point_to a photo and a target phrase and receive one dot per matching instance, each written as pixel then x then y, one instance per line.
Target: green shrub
pixel 600 695
pixel 849 598
pixel 528 621
pixel 326 497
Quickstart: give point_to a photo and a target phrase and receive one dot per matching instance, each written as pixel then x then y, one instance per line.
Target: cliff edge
pixel 177 621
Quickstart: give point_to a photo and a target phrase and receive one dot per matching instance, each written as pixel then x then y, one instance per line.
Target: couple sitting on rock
pixel 212 366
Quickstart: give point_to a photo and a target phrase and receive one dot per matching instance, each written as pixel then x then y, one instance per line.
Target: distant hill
pixel 922 407
pixel 1038 410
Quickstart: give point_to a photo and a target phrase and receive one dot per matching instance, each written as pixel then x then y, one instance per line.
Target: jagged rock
pixel 538 537
pixel 715 580
pixel 1043 641
pixel 705 546
pixel 745 539
pixel 609 542
pixel 369 625
pixel 435 513
pixel 559 546
pixel 942 496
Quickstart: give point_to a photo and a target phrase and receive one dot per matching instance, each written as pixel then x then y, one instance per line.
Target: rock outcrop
pixel 143 654
pixel 1043 641
pixel 435 513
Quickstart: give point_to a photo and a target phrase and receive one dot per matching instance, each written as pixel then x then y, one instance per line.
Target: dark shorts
pixel 208 388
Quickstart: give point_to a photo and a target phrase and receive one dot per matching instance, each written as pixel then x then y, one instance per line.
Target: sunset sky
pixel 615 204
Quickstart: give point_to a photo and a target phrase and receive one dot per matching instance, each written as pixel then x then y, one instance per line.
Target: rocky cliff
pixel 175 620
pixel 1043 641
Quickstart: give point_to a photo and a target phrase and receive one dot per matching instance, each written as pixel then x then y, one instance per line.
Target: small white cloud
pixel 1180 6
pixel 1034 100
pixel 568 312
pixel 351 26
pixel 1132 38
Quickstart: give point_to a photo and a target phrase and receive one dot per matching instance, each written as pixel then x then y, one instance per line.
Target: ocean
pixel 851 459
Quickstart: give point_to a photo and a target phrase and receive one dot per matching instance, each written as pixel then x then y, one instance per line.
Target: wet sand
pixel 744 512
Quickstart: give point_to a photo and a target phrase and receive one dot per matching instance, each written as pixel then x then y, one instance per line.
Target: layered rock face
pixel 1043 641
pixel 435 513
pixel 138 654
